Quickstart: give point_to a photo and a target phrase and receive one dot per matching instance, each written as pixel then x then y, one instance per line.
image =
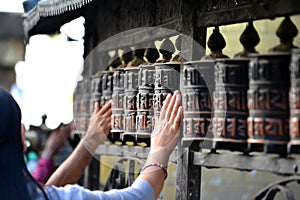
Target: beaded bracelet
pixel 157 165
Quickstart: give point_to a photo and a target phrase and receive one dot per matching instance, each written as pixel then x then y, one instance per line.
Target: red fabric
pixel 43 170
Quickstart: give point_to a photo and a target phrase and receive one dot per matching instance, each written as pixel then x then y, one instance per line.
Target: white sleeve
pixel 140 190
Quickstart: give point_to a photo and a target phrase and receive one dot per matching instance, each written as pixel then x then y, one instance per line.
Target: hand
pixel 56 140
pixel 166 131
pixel 99 125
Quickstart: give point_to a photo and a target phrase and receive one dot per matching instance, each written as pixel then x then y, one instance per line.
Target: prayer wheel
pixel 96 90
pixel 198 85
pixel 130 109
pixel 107 86
pixel 230 104
pixel 295 102
pixel 268 102
pixel 118 103
pixel 76 108
pixel 167 80
pixel 82 105
pixel 145 112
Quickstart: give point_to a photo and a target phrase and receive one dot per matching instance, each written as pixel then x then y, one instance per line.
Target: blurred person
pixel 19 184
pixel 45 165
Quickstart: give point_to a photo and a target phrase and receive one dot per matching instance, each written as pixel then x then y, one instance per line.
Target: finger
pixel 173 142
pixel 105 108
pixel 178 118
pixel 108 120
pixel 170 106
pixel 175 107
pixel 165 105
pixel 105 111
pixel 108 113
pixel 97 107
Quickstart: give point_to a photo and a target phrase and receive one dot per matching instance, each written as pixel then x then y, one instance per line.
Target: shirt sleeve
pixel 44 169
pixel 140 190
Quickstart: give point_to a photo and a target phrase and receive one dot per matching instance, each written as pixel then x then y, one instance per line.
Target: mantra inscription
pixel 118 100
pixel 145 122
pixel 130 102
pixel 230 100
pixel 117 111
pixel 194 100
pixel 117 122
pixel 145 100
pixel 146 75
pixel 158 99
pixel 130 121
pixel 145 112
pixel 226 127
pixel 167 75
pixel 196 127
pixel 271 99
pixel 268 128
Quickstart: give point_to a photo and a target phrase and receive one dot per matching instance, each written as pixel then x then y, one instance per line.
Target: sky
pixel 47 77
pixel 11 6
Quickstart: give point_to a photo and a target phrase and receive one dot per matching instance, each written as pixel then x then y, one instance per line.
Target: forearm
pixel 154 175
pixel 73 167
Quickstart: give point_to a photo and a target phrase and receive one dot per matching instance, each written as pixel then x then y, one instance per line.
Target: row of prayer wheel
pixel 252 106
pixel 137 95
pixel 241 104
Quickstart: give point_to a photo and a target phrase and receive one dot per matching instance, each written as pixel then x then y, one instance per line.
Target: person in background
pixel 14 176
pixel 45 166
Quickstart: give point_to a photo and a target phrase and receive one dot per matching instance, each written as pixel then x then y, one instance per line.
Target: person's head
pixel 14 176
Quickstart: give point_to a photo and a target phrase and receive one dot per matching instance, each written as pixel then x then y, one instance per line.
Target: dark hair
pixel 15 180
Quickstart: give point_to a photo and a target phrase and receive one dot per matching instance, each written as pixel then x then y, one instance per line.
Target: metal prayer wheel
pixel 295 102
pixel 230 104
pixel 131 90
pixel 76 107
pixel 198 80
pixel 86 103
pixel 107 86
pixel 118 101
pixel 96 90
pixel 145 112
pixel 167 80
pixel 82 105
pixel 268 102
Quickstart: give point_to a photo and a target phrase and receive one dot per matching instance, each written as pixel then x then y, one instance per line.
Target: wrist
pixel 156 165
pixel 89 144
pixel 158 156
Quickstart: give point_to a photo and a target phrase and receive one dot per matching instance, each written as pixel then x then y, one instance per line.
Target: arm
pixel 150 182
pixel 73 167
pixel 164 139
